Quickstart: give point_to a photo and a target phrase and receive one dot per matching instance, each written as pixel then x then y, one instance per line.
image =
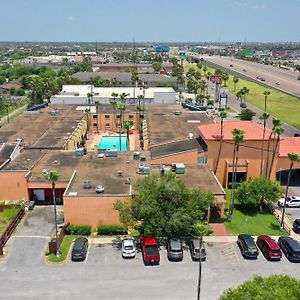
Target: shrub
pixel 112 229
pixel 78 229
pixel 203 229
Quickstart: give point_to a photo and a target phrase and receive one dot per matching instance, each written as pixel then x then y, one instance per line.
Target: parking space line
pixel 87 254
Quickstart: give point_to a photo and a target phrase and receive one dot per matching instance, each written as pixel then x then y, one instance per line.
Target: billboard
pixel 216 78
pixel 162 49
pixel 249 53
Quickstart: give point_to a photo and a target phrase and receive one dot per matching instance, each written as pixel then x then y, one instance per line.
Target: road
pixel 232 102
pixel 288 79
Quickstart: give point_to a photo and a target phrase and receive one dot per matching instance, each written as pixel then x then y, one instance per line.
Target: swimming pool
pixel 113 142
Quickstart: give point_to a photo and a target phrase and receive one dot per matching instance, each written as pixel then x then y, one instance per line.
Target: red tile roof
pixel 288 145
pixel 253 131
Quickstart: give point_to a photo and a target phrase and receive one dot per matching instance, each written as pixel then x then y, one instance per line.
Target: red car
pixel 269 247
pixel 150 249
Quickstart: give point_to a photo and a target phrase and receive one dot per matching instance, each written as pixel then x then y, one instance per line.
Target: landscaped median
pixel 251 222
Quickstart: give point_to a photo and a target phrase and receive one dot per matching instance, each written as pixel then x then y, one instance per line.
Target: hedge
pixel 112 229
pixel 78 230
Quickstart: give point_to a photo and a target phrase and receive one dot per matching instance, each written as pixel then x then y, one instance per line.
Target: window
pixel 95 124
pixel 118 116
pixel 107 116
pixel 202 160
pixel 107 124
pixel 94 116
pixel 130 116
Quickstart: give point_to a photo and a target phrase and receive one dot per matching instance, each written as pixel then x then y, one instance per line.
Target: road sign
pixel 216 78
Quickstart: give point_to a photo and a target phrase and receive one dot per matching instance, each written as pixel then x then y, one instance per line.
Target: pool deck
pixel 94 139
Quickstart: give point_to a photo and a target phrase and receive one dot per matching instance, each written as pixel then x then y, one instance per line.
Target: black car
pixel 247 246
pixel 79 250
pixel 297 134
pixel 174 248
pixel 290 247
pixel 296 226
pixel 243 105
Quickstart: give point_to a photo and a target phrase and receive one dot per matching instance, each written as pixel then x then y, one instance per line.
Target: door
pixel 40 194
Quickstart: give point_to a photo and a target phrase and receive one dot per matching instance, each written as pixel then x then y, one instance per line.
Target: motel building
pixel 174 140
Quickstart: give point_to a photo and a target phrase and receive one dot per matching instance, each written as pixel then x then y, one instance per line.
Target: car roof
pixel 79 242
pixel 175 243
pixel 293 243
pixel 297 221
pixel 128 242
pixel 295 198
pixel 272 244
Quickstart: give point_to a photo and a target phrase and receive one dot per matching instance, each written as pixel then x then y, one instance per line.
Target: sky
pixel 150 20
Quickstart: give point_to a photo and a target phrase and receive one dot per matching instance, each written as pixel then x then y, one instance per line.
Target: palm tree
pixel 134 79
pixel 140 97
pixel 266 94
pixel 277 133
pixel 245 92
pixel 7 107
pixel 263 117
pixel 293 157
pixel 239 95
pixel 127 124
pixel 238 137
pixel 97 103
pixel 225 78
pixel 90 98
pixel 223 116
pixel 53 177
pixel 145 86
pixel 205 70
pixel 276 123
pixel 121 107
pixel 86 113
pixel 114 105
pixel 235 82
pixel 180 84
pixel 123 97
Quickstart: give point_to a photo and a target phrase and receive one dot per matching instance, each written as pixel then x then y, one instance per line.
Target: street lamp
pixel 200 268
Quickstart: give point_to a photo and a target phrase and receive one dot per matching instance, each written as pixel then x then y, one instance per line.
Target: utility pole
pixel 200 267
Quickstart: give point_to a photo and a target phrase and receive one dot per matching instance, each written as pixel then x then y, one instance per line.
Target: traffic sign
pixel 216 78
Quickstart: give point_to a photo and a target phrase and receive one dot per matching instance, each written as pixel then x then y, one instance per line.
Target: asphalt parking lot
pixel 106 275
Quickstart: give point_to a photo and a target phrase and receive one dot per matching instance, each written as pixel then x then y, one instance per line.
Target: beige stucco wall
pixel 283 163
pixel 13 185
pixel 93 210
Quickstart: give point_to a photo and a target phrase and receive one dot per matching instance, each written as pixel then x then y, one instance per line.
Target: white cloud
pixel 261 6
pixel 239 3
pixel 71 19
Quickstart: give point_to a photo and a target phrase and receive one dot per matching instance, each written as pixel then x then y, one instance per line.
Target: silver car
pixel 128 248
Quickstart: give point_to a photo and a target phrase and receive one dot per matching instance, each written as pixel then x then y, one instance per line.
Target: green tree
pixel 205 70
pixel 123 97
pixel 157 66
pixel 263 117
pixel 247 114
pixel 121 107
pixel 223 116
pixel 164 206
pixel 274 287
pixel 253 192
pixel 238 137
pixel 277 133
pixel 53 177
pixel 293 157
pixel 276 123
pixel 98 104
pixel 235 82
pixel 127 124
pixel 266 94
pixel 225 78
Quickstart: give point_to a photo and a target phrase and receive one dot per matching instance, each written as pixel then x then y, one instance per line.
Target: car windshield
pixel 128 247
pixel 275 250
pixel 175 245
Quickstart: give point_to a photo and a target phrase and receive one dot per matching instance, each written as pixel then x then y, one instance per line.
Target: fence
pixel 52 243
pixel 278 217
pixel 10 228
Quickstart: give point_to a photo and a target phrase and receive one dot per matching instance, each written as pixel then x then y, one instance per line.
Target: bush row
pixel 78 230
pixel 112 229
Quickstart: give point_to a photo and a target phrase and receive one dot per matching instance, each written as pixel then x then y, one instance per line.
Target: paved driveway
pixel 105 275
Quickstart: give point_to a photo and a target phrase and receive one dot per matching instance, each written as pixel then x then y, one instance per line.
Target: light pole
pixel 200 268
pixel 280 170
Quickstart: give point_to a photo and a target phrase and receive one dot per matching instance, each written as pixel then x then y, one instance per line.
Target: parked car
pixel 277 83
pixel 290 248
pixel 174 249
pixel 150 250
pixel 247 246
pixel 195 250
pixel 296 226
pixel 269 247
pixel 231 66
pixel 79 250
pixel 292 201
pixel 258 77
pixel 99 189
pixel 263 79
pixel 297 134
pixel 244 70
pixel 128 248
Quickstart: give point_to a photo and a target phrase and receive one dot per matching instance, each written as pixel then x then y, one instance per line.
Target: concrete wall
pixel 283 163
pixel 190 157
pixel 13 185
pixel 93 210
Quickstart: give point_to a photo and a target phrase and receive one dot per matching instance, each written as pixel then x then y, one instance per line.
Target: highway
pixel 288 79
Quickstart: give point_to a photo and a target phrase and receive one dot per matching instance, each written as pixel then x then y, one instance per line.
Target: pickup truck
pixel 150 249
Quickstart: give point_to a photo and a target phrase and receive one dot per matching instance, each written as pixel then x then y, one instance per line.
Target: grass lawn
pixel 64 250
pixel 7 215
pixel 251 222
pixel 280 105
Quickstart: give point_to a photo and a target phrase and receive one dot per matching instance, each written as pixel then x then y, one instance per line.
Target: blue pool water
pixel 113 142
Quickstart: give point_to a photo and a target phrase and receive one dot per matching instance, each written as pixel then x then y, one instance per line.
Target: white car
pixel 290 202
pixel 99 189
pixel 277 82
pixel 128 248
